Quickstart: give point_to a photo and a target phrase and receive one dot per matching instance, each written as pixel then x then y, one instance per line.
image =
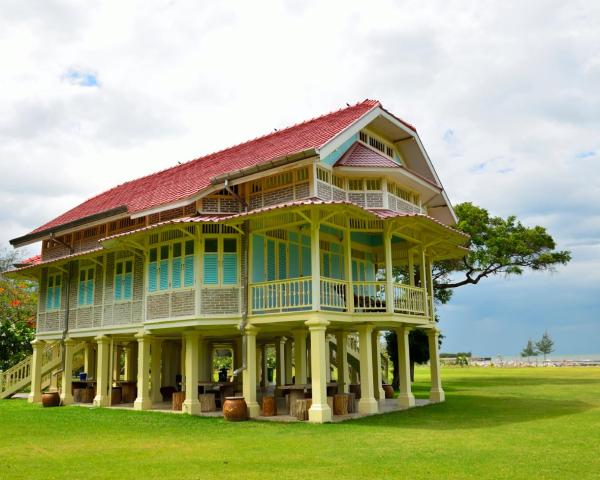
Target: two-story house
pixel 324 229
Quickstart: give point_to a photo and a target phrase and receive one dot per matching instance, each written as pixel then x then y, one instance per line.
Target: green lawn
pixel 496 423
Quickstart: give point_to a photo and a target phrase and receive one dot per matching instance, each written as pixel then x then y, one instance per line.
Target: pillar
pixel 66 394
pixel 258 356
pixel 377 387
pixel 102 398
pixel 300 356
pixel 35 396
pixel 265 366
pixel 315 260
pixel 327 360
pixel 280 359
pixel 88 359
pixel 319 412
pixel 249 377
pixel 130 362
pixel 143 400
pixel 288 362
pixel 155 370
pixel 367 403
pixel 405 398
pixel 436 393
pixel 116 376
pixel 191 404
pixel 342 361
pixel 389 270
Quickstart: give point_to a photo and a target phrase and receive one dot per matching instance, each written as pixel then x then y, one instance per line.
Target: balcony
pixel 295 294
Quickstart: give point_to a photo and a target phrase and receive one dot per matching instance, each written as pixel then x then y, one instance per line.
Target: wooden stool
pixel 340 404
pixel 177 399
pixel 293 397
pixel 115 396
pixel 207 402
pixel 302 407
pixel 269 406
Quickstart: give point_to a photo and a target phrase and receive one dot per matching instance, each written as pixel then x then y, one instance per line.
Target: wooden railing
pixel 409 300
pixel 367 296
pixel 281 295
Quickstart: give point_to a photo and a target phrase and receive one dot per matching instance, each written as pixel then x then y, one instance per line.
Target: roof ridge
pixel 237 145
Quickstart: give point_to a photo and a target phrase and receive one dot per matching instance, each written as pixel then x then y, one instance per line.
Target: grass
pixel 496 423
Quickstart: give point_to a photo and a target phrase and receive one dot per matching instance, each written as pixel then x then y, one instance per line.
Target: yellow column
pixel 102 398
pixel 405 398
pixel 280 357
pixel 288 362
pixel 191 404
pixel 319 412
pixel 155 370
pixel 437 393
pixel 315 260
pixel 377 388
pixel 342 361
pixel 327 360
pixel 348 267
pixel 249 377
pixel 300 356
pixel 367 403
pixel 88 359
pixel 66 394
pixel 116 362
pixel 35 396
pixel 389 270
pixel 130 361
pixel 258 365
pixel 143 400
pixel 265 366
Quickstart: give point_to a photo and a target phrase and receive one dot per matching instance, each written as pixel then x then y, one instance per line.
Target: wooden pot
pixel 51 399
pixel 235 409
pixel 269 405
pixel 389 391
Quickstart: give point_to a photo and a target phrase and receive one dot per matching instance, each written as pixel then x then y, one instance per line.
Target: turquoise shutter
pixel 57 296
pixel 163 273
pixel 306 265
pixel 152 271
pixel 294 261
pixel 326 271
pixel 362 272
pixel 118 287
pixel 89 294
pixel 210 269
pixel 81 293
pixel 354 270
pixel 176 272
pixel 49 293
pixel 270 260
pixel 229 268
pixel 128 286
pixel 282 262
pixel 258 258
pixel 188 274
pixel 370 271
pixel 336 270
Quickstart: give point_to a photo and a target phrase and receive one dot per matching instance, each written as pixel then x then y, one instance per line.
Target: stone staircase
pixel 18 377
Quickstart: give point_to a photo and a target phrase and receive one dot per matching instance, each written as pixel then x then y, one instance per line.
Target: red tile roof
pixel 182 181
pixel 359 155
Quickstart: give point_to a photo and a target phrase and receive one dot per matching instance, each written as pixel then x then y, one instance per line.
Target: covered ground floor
pixel 280 368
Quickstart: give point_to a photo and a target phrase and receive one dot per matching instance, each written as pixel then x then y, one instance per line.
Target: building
pixel 285 240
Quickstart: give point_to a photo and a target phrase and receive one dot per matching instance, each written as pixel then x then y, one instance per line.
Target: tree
pixel 545 345
pixel 498 246
pixel 529 350
pixel 18 305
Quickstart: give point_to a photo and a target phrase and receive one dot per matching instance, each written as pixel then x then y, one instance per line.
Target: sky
pixel 505 97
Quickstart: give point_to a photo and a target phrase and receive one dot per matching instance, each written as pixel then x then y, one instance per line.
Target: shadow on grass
pixel 471 411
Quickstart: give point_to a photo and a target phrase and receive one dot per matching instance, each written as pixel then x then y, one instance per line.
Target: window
pixel 354 184
pixel 302 174
pixel 323 175
pixel 171 266
pixel 220 265
pixel 337 181
pixel 54 291
pixel 86 286
pixel 373 184
pixel 123 280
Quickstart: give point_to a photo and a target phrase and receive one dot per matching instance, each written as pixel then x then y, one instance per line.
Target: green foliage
pixel 497 246
pixel 462 360
pixel 529 350
pixel 545 345
pixel 18 306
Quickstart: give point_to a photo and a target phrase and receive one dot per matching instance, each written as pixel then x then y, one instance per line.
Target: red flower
pixel 15 303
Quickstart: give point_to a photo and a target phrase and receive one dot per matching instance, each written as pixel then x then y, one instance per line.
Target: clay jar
pixel 235 409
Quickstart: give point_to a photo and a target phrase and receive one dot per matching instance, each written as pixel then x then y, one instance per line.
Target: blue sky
pixel 507 105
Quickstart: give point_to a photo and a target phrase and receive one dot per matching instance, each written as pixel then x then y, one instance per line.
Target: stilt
pixel 102 398
pixel 35 396
pixel 320 411
pixel 66 394
pixel 249 378
pixel 405 398
pixel 191 405
pixel 143 400
pixel 437 393
pixel 367 403
pixel 300 356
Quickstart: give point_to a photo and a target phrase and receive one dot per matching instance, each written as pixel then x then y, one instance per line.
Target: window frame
pixel 169 244
pixel 83 302
pixel 220 256
pixel 53 277
pixel 123 261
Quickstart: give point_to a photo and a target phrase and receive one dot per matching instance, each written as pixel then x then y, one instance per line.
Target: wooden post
pixel 389 269
pixel 66 395
pixel 143 400
pixel 315 260
pixel 35 396
pixel 102 398
pixel 367 403
pixel 191 404
pixel 319 412
pixel 342 361
pixel 280 358
pixel 250 372
pixel 348 267
pixel 288 362
pixel 405 398
pixel 436 393
pixel 155 373
pixel 300 355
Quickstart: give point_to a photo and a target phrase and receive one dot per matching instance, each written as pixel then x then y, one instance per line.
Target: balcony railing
pixel 280 296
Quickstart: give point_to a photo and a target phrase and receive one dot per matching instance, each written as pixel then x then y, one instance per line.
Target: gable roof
pixel 184 180
pixel 359 155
